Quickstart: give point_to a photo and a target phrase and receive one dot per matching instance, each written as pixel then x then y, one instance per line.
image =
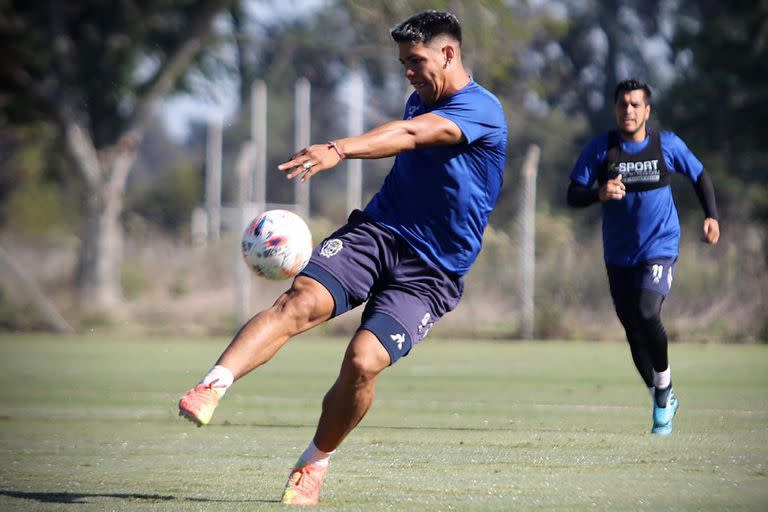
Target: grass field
pixel 90 424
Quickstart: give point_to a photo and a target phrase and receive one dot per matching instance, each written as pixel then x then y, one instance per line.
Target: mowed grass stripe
pixel 91 423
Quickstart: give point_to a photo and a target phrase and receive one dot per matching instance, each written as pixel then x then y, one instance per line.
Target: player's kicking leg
pixel 198 404
pixel 306 304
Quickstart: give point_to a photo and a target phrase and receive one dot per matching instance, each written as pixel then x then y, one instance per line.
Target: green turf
pixel 90 424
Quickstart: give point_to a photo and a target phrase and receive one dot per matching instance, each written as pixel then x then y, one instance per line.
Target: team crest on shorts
pixel 331 247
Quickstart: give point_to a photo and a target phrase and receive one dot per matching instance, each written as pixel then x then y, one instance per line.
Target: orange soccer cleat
pixel 304 483
pixel 198 404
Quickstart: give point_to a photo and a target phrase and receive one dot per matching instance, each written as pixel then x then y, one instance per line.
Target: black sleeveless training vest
pixel 645 170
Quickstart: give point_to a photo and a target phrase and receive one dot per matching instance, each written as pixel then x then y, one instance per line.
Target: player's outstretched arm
pixel 386 140
pixel 705 191
pixel 394 137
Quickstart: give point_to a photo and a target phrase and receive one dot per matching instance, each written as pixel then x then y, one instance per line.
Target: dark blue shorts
pixel 655 275
pixel 364 261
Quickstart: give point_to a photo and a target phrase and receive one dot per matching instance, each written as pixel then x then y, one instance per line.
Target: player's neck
pixel 456 82
pixel 636 136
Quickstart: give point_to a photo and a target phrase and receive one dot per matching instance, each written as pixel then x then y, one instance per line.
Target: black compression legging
pixel 639 311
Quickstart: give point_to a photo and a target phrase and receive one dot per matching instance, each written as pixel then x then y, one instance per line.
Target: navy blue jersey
pixel 643 225
pixel 439 198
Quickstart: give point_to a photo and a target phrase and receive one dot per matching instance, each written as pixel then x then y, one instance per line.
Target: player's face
pixel 632 112
pixel 424 67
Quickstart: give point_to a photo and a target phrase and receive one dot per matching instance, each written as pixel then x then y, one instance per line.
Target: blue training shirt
pixel 439 198
pixel 642 225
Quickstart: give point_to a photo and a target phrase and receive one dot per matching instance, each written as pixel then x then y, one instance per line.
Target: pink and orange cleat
pixel 198 404
pixel 304 483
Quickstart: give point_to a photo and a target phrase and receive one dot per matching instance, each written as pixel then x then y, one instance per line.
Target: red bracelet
pixel 332 145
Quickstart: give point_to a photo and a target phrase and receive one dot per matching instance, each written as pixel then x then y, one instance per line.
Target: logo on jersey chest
pixel 413 111
pixel 646 171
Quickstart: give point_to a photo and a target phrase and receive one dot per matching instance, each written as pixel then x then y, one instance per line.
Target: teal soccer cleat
pixel 663 416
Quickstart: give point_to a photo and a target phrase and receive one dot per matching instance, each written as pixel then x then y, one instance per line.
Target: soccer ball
pixel 277 244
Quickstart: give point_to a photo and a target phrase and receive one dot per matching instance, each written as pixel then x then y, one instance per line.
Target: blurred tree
pixel 573 69
pixel 704 60
pixel 169 200
pixel 33 187
pixel 93 69
pixel 354 35
pixel 720 99
pixel 609 41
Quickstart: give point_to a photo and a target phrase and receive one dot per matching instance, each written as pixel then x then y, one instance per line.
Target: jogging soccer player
pixel 641 231
pixel 405 253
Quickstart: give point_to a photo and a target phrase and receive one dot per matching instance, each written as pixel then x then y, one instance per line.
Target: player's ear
pixel 449 53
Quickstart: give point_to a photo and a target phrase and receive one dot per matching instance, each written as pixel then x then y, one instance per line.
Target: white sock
pixel 313 455
pixel 222 376
pixel 663 379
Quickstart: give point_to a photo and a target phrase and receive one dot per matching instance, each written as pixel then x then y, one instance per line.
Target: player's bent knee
pixel 365 367
pixel 305 304
pixel 365 358
pixel 650 307
pixel 650 317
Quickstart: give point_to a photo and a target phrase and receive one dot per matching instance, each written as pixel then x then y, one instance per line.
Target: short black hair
pixel 633 84
pixel 424 26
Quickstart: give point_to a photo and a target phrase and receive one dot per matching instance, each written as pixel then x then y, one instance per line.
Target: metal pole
pixel 243 276
pixel 213 177
pixel 258 183
pixel 355 127
pixel 301 140
pixel 528 240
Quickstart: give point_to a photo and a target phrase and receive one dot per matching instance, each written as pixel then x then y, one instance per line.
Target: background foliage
pixel 552 63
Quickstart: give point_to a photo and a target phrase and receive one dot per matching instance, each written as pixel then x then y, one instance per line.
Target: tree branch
pixel 80 144
pixel 180 58
pixel 40 95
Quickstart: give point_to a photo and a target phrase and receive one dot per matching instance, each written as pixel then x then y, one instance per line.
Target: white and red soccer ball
pixel 277 244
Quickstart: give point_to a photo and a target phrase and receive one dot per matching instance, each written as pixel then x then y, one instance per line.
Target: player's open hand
pixel 613 190
pixel 711 231
pixel 310 161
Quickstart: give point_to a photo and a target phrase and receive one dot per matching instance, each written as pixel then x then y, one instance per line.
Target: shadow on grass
pixel 82 497
pixel 368 427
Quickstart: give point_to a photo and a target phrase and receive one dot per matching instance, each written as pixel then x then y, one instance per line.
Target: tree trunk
pixel 105 168
pixel 98 277
pixel 105 172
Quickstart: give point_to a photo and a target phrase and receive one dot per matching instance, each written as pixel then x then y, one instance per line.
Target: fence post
pixel 301 140
pixel 243 277
pixel 258 186
pixel 528 240
pixel 355 127
pixel 213 177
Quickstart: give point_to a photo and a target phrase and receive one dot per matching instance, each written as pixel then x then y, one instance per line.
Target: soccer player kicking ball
pixel 405 254
pixel 641 231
